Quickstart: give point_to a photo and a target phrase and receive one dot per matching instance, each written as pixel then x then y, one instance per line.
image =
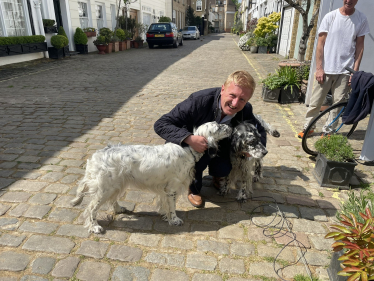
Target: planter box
pixel 91 33
pixel 115 47
pixel 286 96
pixel 254 49
pixel 3 51
pixel 138 44
pixel 333 174
pixel 55 53
pixel 34 47
pixel 50 29
pixel 128 43
pixel 122 46
pixel 82 49
pixel 262 49
pixel 132 43
pixel 66 51
pixel 270 95
pixel 109 48
pixel 334 267
pixel 15 50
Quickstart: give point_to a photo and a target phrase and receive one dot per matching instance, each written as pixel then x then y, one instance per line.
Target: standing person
pixel 226 105
pixel 341 38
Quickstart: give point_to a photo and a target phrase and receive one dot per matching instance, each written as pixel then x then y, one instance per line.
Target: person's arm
pixel 359 52
pixel 320 73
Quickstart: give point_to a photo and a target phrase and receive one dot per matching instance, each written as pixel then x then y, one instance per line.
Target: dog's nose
pixel 265 152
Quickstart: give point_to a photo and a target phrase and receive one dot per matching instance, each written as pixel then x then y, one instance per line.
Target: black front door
pixel 56 4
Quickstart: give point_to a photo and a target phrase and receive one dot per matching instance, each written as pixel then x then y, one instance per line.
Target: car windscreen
pixel 189 28
pixel 160 27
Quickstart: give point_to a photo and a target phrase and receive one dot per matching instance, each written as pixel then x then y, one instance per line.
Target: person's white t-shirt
pixel 340 46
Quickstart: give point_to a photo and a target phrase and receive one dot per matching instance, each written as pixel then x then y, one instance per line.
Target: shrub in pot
pixel 271 87
pixel 252 44
pixel 355 245
pixel 115 43
pixel 334 164
pixel 58 42
pixel 61 32
pixel 100 44
pixel 262 44
pixel 107 34
pixel 122 38
pixel 80 40
pixel 49 26
pixel 22 44
pixel 290 90
pixel 138 42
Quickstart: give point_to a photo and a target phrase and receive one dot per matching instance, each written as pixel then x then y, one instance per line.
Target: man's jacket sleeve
pixel 173 126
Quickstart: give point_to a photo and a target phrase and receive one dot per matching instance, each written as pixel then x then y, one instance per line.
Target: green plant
pixel 356 204
pixel 302 277
pixel 61 32
pixel 121 34
pixel 100 40
pixel 261 41
pixel 267 25
pixel 106 33
pixel 59 41
pixel 89 29
pixel 251 42
pixel 48 22
pixel 335 148
pixel 141 29
pixel 114 39
pixel 303 71
pixel 80 37
pixel 21 40
pixel 138 39
pixel 164 19
pixel 272 40
pixel 290 75
pixel 357 241
pixel 273 81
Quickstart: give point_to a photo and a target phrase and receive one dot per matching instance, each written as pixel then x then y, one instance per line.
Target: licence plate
pixel 159 35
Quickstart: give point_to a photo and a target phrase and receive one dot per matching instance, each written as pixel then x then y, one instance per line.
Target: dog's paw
pixel 241 199
pixel 275 133
pixel 223 192
pixel 256 178
pixel 97 229
pixel 176 221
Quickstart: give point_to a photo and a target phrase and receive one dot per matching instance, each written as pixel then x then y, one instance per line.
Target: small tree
pixel 190 16
pixel 303 7
pixel 267 25
pixel 164 19
pixel 61 31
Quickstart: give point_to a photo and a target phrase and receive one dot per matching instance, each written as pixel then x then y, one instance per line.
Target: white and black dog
pixel 166 170
pixel 245 170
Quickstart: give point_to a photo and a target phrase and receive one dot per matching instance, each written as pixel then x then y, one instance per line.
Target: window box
pixel 15 50
pixel 34 47
pixel 50 29
pixel 55 53
pixel 90 33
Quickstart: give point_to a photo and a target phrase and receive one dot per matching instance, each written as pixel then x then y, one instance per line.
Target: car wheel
pixel 175 45
pixel 195 37
pixel 181 43
pixel 150 46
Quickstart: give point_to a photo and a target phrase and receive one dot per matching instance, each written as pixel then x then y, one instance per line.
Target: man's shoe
pixel 219 182
pixel 196 200
pixel 301 134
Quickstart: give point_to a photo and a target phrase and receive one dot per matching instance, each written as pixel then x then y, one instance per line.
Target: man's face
pixel 234 98
pixel 349 4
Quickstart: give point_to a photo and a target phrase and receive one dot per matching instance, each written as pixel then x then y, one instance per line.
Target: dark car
pixel 164 33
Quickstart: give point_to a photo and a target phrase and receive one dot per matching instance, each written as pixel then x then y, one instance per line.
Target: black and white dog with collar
pixel 246 140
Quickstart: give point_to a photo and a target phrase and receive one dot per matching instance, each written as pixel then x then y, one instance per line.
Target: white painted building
pixel 258 9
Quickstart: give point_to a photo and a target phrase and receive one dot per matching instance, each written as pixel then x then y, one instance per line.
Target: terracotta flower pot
pixel 90 33
pixel 122 46
pixel 101 49
pixel 109 48
pixel 115 46
pixel 128 43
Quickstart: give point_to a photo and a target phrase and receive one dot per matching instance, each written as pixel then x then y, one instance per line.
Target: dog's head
pixel 213 132
pixel 246 138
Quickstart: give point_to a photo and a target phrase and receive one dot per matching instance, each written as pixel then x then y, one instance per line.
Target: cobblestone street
pixel 55 116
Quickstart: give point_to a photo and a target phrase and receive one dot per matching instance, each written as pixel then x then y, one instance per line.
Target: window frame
pixel 25 15
pixel 201 5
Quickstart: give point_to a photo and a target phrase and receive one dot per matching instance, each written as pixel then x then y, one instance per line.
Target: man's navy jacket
pixel 199 108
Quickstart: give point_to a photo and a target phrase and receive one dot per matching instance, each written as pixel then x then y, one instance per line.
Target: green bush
pixel 114 39
pixel 100 40
pixel 80 37
pixel 47 22
pixel 290 77
pixel 61 32
pixel 107 33
pixel 59 41
pixel 164 19
pixel 261 41
pixel 273 81
pixel 335 148
pixel 21 40
pixel 121 34
pixel 251 42
pixel 128 34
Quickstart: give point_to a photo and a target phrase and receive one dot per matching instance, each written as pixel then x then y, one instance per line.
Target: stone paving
pixel 54 118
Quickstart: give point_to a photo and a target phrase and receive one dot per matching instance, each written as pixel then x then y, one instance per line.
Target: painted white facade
pixel 261 8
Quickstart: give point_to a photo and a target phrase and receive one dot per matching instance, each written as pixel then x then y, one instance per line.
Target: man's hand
pixel 320 76
pixel 198 143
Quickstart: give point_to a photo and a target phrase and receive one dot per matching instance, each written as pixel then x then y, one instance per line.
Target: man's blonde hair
pixel 241 78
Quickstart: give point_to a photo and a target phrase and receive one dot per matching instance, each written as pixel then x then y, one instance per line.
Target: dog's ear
pixel 212 147
pixel 236 142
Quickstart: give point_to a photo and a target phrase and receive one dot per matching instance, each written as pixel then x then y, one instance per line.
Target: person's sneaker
pixel 301 134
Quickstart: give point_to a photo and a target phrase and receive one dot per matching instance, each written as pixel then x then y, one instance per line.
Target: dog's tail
pixel 268 128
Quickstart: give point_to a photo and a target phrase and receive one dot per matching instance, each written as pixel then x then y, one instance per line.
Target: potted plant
pixel 138 42
pixel 89 31
pixel 272 42
pixel 115 43
pixel 334 165
pixel 100 44
pixel 303 76
pixel 354 247
pixel 80 40
pixel 49 26
pixel 58 42
pixel 262 44
pixel 290 90
pixel 65 50
pixel 128 39
pixel 271 87
pixel 252 45
pixel 107 34
pixel 122 37
pixel 18 45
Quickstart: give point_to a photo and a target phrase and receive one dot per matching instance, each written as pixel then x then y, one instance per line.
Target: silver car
pixel 191 32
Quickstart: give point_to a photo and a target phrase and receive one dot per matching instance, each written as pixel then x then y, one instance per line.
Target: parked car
pixel 191 32
pixel 164 33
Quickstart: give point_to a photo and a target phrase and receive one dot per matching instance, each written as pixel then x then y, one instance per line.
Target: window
pixel 199 5
pixel 99 17
pixel 83 14
pixel 14 18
